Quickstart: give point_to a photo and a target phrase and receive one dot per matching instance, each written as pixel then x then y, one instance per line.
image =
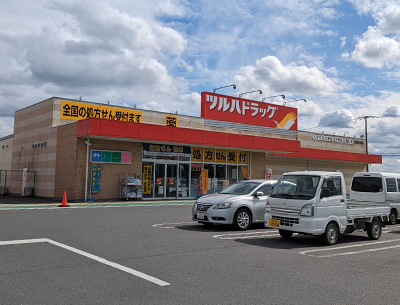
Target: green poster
pixel 116 157
pixel 106 156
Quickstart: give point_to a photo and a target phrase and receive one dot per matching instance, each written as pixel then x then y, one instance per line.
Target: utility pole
pixel 365 117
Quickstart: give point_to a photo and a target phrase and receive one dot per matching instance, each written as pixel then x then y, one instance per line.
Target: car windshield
pixel 241 188
pixel 296 187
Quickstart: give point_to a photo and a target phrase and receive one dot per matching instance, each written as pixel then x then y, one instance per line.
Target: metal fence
pixel 17 182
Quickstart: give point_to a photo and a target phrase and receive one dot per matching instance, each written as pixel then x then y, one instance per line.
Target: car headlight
pixel 307 210
pixel 223 205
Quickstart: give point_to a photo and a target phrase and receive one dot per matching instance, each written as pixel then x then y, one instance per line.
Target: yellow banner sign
pixel 220 155
pixel 147 177
pixel 231 156
pixel 243 157
pixel 209 154
pixel 171 120
pixel 197 154
pixel 78 111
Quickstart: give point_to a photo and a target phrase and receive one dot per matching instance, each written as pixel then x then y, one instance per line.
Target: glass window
pixel 296 187
pixel 159 181
pixel 333 185
pixel 391 185
pixel 241 188
pixel 211 168
pixel 183 187
pixel 195 180
pixel 266 189
pixel 240 173
pixel 367 184
pixel 219 177
pixel 232 173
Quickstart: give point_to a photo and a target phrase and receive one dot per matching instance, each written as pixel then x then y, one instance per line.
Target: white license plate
pixel 200 215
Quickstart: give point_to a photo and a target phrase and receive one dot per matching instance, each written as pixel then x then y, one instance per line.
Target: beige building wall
pixel 34 147
pixel 307 141
pixel 6 148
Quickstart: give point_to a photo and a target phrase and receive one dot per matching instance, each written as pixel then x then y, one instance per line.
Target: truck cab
pixel 306 201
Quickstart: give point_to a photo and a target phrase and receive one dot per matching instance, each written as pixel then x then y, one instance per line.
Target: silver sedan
pixel 240 204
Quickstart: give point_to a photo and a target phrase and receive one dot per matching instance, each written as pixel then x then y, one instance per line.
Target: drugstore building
pixel 93 150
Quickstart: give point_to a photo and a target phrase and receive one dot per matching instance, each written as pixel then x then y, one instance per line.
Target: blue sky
pixel 343 56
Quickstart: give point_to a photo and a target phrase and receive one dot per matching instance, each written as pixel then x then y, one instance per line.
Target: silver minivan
pixel 240 204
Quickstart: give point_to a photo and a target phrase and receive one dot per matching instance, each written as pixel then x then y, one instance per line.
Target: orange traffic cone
pixel 64 201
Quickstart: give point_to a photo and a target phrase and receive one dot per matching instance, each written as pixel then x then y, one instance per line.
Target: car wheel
pixel 331 234
pixel 242 219
pixel 374 229
pixel 285 234
pixel 393 217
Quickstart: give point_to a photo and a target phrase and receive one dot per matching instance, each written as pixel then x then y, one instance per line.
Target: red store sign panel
pixel 238 110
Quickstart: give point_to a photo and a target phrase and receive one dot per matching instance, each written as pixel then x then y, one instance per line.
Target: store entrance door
pixel 171 179
pixel 159 183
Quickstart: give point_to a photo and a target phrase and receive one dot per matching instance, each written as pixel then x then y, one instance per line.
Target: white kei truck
pixel 314 203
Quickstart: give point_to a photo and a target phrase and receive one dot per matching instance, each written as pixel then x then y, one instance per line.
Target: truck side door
pixel 334 203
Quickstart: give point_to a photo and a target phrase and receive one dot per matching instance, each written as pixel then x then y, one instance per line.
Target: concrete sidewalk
pixel 18 200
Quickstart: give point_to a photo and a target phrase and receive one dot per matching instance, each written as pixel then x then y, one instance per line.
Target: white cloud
pixel 375 50
pixel 342 118
pixel 343 41
pixel 308 109
pixel 192 100
pixel 270 75
pixel 92 49
pixel 392 111
pixel 389 18
pixel 173 8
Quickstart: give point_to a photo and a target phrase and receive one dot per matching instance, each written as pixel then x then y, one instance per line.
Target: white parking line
pixel 348 247
pixel 91 256
pixel 246 235
pixel 170 225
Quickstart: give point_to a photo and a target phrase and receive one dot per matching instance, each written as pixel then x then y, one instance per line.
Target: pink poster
pixel 126 158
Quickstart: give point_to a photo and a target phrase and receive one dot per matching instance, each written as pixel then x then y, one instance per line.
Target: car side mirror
pixel 324 193
pixel 257 194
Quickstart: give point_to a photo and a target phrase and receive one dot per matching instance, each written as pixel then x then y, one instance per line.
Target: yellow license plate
pixel 274 223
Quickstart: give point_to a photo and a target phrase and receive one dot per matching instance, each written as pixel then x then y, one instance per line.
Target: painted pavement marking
pixel 325 250
pixel 247 235
pixel 88 255
pixel 170 225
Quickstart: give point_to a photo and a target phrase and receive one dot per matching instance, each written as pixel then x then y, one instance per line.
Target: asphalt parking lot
pixel 156 254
